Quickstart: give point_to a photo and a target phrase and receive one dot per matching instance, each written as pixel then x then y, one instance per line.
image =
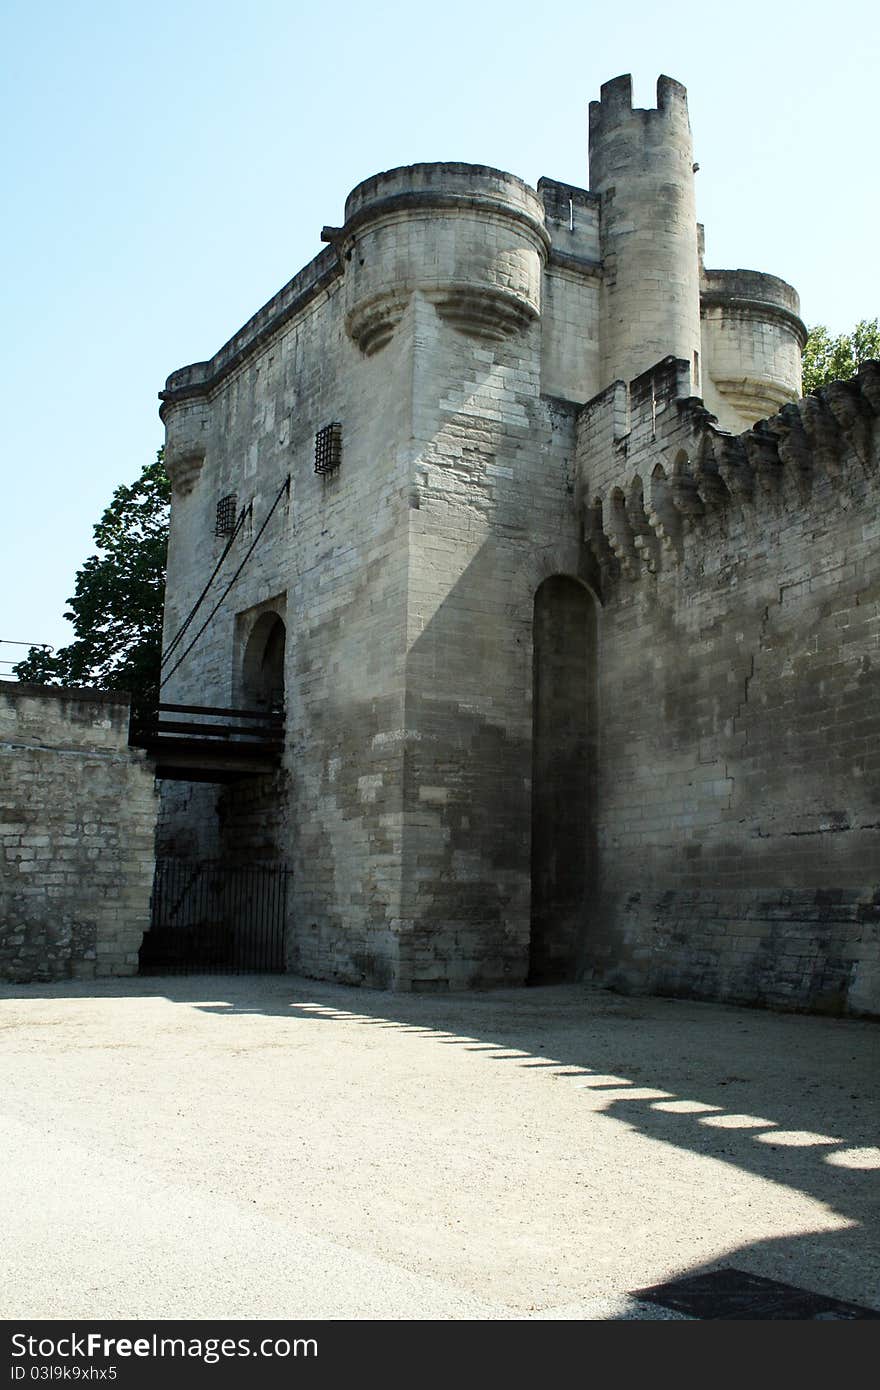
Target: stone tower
pixel 642 168
pixel 478 600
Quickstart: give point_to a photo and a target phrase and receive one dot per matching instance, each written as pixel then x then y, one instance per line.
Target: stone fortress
pixel 571 602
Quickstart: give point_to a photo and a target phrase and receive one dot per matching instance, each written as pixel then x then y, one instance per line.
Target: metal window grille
pixel 328 448
pixel 225 524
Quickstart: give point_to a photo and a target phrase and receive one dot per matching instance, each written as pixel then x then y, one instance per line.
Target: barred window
pixel 225 524
pixel 328 448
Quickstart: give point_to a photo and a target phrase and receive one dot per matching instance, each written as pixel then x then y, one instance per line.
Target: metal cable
pixel 284 488
pixel 201 598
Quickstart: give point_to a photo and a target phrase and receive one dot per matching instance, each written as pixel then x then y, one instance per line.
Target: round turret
pixel 641 163
pixel 470 239
pixel 753 339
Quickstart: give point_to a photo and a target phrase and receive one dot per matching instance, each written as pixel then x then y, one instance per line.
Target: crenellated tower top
pixel 615 107
pixel 642 166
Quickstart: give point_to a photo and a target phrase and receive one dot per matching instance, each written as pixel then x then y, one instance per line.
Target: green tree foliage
pixel 837 359
pixel 116 610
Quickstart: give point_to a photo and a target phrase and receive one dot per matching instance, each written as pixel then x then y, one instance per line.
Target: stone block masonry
pixel 77 820
pixel 739 785
pixel 577 647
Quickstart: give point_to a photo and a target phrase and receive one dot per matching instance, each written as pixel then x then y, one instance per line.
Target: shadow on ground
pixel 787 1097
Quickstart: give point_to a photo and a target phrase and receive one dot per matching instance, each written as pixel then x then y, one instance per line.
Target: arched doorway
pixel 563 769
pixel 262 672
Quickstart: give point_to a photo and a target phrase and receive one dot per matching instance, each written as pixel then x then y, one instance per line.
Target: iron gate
pixel 216 919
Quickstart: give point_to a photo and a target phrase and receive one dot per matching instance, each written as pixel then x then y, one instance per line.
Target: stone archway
pixel 262 668
pixel 563 769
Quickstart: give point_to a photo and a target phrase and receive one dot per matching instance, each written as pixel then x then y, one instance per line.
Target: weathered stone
pixel 569 640
pixel 80 806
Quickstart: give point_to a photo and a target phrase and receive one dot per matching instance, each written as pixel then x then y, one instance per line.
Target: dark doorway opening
pixel 563 768
pixel 214 918
pixel 262 675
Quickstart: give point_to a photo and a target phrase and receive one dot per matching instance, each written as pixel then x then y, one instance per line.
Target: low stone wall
pixel 77 823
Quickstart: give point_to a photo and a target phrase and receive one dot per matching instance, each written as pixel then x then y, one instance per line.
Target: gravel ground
pixel 269 1147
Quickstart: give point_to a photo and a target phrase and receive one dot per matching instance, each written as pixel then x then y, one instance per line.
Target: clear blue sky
pixel 168 166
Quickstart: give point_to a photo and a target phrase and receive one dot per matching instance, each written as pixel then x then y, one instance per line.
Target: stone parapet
pixel 468 238
pixel 753 338
pixel 200 379
pixel 738 805
pixel 653 462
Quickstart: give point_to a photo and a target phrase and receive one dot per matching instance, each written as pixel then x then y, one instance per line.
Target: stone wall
pixel 332 562
pixel 570 294
pixel 453 330
pixel 77 816
pixel 739 790
pixel 402 577
pixel 492 519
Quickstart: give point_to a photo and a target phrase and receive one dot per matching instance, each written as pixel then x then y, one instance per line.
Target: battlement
pixel 653 464
pixel 615 107
pixel 427 185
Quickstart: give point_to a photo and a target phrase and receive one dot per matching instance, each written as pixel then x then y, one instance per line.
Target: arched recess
pixel 262 668
pixel 563 774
